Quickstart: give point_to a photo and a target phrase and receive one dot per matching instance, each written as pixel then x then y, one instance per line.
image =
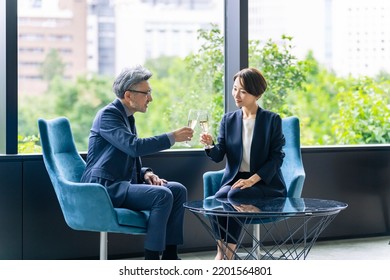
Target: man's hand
pixel 153 179
pixel 183 134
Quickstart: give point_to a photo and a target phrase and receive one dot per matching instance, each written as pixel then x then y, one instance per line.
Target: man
pixel 113 160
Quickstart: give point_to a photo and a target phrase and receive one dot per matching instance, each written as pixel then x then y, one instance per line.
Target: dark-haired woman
pixel 251 138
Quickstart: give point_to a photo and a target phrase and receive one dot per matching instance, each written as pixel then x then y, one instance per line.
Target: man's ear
pixel 127 95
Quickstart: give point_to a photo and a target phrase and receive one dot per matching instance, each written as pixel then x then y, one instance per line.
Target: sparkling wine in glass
pixel 192 121
pixel 203 119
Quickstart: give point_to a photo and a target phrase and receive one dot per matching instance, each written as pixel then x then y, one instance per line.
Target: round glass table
pixel 267 228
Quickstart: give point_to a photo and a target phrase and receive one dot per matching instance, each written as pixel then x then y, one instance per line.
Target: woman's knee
pixel 232 194
pixel 238 194
pixel 223 192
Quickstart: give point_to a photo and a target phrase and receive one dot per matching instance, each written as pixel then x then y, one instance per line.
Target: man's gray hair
pixel 128 78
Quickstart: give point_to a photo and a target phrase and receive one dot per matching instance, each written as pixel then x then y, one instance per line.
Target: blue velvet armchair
pixel 85 206
pixel 292 168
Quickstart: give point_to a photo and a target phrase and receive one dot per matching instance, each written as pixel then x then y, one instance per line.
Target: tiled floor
pixel 373 248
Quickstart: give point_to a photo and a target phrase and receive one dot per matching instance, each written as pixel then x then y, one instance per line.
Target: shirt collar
pixel 128 113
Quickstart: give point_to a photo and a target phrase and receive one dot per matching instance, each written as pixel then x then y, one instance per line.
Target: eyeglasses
pixel 149 92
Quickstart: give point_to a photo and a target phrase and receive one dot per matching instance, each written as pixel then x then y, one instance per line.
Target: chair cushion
pixel 128 217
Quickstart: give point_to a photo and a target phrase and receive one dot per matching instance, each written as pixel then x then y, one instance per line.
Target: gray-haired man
pixel 113 160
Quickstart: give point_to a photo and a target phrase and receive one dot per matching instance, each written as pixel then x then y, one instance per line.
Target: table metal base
pixel 289 238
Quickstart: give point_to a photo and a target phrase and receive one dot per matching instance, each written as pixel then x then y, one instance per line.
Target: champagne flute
pixel 192 120
pixel 203 119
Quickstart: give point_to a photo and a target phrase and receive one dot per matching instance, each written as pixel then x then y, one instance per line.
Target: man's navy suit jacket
pixel 114 151
pixel 266 156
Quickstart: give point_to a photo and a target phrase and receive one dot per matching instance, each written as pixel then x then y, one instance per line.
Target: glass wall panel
pixel 71 50
pixel 327 62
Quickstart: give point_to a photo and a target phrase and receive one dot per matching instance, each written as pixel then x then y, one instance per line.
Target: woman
pixel 252 140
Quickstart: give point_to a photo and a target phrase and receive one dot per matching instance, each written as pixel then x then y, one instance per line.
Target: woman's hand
pixel 206 139
pixel 246 183
pixel 248 208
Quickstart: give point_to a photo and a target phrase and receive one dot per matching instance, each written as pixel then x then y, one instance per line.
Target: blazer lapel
pixel 118 104
pixel 256 139
pixel 238 136
pixel 137 164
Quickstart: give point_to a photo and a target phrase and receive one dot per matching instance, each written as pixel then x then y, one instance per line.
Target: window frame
pixel 9 78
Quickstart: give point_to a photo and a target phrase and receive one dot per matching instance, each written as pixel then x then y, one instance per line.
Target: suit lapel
pixel 238 136
pixel 118 104
pixel 256 139
pixel 131 121
pixel 137 164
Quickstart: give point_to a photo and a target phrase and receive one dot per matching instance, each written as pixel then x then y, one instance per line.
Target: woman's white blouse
pixel 247 135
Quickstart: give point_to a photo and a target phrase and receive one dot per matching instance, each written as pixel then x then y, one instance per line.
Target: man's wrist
pixel 145 170
pixel 171 138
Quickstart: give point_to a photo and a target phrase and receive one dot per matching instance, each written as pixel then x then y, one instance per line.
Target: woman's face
pixel 241 97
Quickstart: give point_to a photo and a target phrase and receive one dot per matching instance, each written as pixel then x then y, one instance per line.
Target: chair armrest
pixel 212 182
pixel 297 182
pixel 86 206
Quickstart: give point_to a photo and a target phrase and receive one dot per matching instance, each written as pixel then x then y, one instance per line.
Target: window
pixel 332 71
pixel 69 59
pixel 334 66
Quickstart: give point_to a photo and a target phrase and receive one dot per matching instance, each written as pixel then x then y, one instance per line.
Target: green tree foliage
pixel 193 83
pixel 78 101
pixel 364 112
pixel 338 110
pixel 207 69
pixel 29 145
pixel 314 103
pixel 284 73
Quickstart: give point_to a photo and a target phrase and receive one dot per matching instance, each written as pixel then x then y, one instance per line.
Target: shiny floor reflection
pixel 373 248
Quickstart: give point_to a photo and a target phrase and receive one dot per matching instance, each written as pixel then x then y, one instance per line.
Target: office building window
pixel 71 51
pixel 333 66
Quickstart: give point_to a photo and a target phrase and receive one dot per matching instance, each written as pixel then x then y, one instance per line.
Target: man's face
pixel 138 97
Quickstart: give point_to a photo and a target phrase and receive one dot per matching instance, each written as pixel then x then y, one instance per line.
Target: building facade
pixel 46 26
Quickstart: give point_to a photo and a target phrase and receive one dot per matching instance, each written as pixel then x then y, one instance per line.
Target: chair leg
pixel 103 245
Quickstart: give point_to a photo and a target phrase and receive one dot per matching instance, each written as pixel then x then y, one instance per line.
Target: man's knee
pixel 177 189
pixel 163 196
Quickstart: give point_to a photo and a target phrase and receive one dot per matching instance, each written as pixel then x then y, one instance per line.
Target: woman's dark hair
pixel 252 81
